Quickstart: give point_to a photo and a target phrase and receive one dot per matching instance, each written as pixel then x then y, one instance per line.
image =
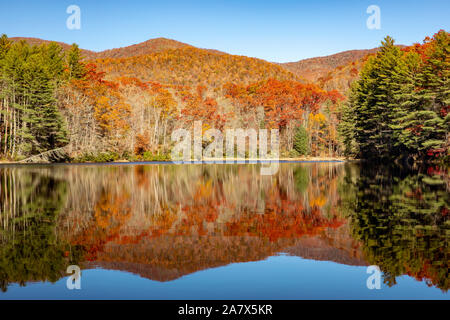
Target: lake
pixel 224 231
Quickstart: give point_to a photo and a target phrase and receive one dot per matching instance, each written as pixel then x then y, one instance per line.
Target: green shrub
pixel 100 157
pixel 301 141
pixel 294 154
pixel 149 156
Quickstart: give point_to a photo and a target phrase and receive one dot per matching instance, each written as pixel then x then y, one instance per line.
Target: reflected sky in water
pixel 277 277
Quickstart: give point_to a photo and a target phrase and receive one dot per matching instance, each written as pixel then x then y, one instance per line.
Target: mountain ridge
pixel 172 62
pixel 301 67
pixel 149 46
pixel 314 68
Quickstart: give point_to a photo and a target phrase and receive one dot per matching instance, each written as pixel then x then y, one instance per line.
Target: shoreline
pixel 204 161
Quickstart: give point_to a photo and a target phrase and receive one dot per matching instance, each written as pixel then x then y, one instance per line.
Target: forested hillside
pixel 147 47
pixel 343 76
pixel 124 103
pixel 191 66
pixel 315 68
pixel 87 54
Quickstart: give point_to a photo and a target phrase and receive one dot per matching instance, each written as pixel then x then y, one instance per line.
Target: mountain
pixel 342 77
pixel 192 66
pixel 148 257
pixel 314 68
pixel 177 63
pixel 335 245
pixel 146 47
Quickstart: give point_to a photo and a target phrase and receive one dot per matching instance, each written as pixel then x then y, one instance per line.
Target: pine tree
pixel 401 101
pixel 301 141
pixel 30 122
pixel 5 44
pixel 41 76
pixel 346 126
pixel 405 102
pixel 373 102
pixel 435 75
pixel 75 66
pixel 422 98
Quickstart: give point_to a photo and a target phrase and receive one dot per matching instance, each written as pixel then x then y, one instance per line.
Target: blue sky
pixel 281 31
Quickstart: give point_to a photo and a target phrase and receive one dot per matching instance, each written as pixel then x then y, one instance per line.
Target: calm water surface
pixel 163 231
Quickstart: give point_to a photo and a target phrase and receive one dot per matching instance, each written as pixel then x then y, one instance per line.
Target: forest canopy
pixel 126 107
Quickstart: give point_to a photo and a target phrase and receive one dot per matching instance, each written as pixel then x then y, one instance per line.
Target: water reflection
pixel 31 249
pixel 401 218
pixel 166 221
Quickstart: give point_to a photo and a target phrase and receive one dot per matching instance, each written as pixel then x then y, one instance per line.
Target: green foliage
pixel 29 247
pixel 75 66
pixel 114 156
pixel 29 77
pixel 401 219
pixel 399 105
pixel 429 128
pixel 293 154
pixel 301 141
pixel 100 157
pixel 346 130
pixel 372 97
pixel 5 44
pixel 149 156
pixel 301 178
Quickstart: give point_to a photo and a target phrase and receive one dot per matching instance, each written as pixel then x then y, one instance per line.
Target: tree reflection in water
pixel 30 247
pixel 401 218
pixel 165 221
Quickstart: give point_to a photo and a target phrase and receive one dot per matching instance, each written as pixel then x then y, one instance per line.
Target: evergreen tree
pixel 53 59
pixel 399 106
pixel 301 141
pixel 30 121
pixel 5 44
pixel 346 128
pixel 75 66
pixel 424 98
pixel 373 98
pixel 47 126
pixel 399 217
pixel 435 74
